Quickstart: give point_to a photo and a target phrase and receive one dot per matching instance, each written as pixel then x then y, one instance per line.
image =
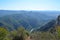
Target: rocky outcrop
pixel 58 20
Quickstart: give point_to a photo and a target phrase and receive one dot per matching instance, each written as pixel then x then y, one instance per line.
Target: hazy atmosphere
pixel 29 4
pixel 29 19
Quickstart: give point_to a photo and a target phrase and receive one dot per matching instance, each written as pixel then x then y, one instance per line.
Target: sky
pixel 29 4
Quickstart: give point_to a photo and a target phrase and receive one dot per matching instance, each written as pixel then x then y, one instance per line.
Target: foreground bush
pixel 3 33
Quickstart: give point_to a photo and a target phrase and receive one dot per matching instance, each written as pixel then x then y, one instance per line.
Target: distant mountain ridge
pixel 9 12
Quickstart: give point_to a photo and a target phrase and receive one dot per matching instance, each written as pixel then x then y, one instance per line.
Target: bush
pixel 3 33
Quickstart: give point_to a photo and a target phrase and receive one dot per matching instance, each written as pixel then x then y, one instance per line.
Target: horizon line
pixel 28 10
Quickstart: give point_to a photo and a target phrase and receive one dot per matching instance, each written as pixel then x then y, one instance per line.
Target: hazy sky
pixel 29 4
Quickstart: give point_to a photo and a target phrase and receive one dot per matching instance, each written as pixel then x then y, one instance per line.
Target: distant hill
pixel 28 19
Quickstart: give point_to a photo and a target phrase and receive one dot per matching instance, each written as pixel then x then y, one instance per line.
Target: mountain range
pixel 28 19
